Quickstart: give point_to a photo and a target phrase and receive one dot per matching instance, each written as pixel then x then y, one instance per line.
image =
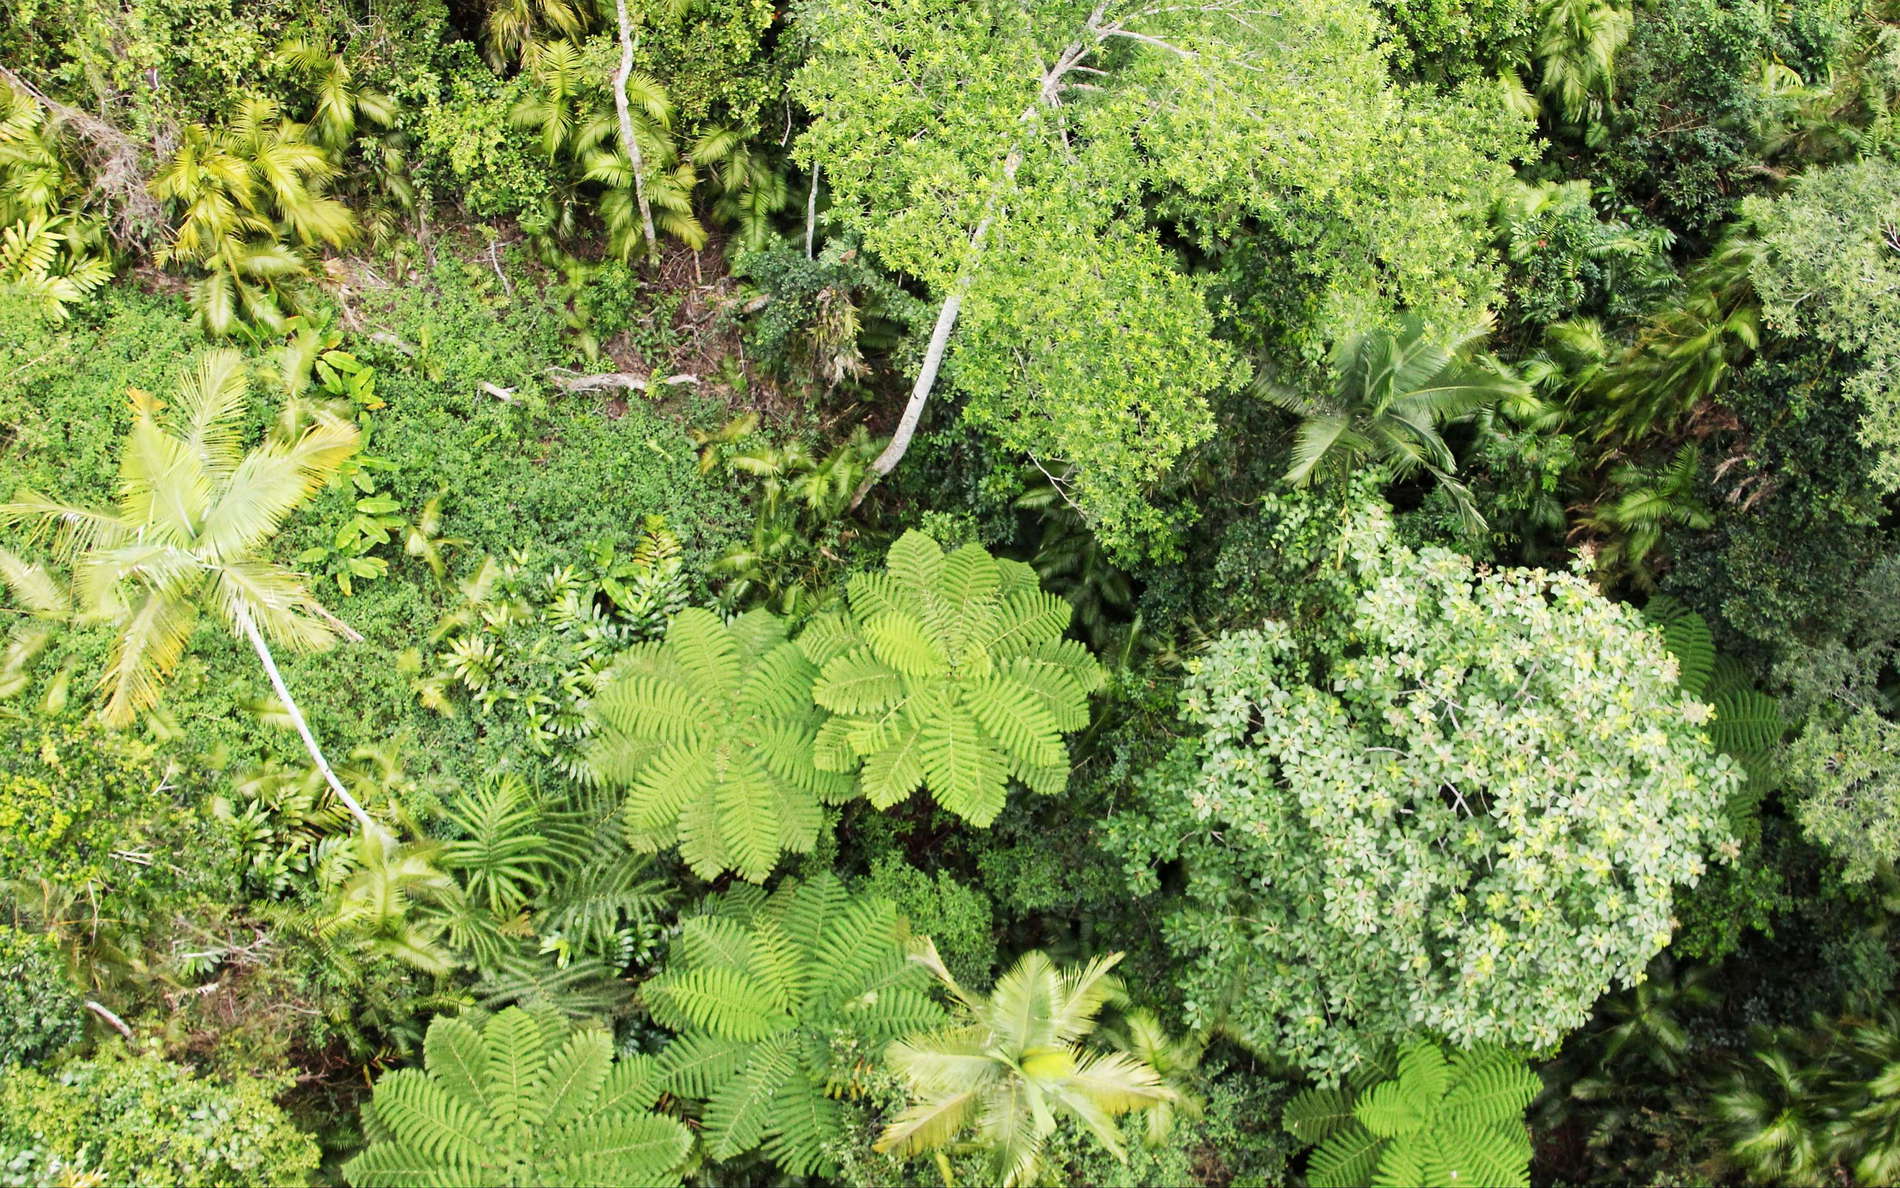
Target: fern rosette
pixel 763 990
pixel 949 672
pixel 518 1099
pixel 1438 1122
pixel 711 733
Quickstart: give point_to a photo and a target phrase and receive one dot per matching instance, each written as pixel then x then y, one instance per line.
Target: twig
pixel 572 381
pixel 505 395
pixel 495 259
pixel 117 1023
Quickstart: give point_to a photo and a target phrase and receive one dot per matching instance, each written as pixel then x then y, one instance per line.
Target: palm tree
pixel 1013 1062
pixel 1640 504
pixel 244 192
pixel 191 529
pixel 511 28
pixel 1391 395
pixel 1176 1059
pixel 1577 42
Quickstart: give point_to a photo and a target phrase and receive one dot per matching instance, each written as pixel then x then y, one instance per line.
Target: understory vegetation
pixel 930 592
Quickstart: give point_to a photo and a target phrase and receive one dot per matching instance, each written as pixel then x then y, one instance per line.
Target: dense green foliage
pixel 774 999
pixel 1480 808
pixel 574 574
pixel 125 1118
pixel 1431 1120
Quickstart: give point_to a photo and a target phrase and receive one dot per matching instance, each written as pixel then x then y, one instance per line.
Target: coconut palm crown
pixel 191 530
pixel 1013 1062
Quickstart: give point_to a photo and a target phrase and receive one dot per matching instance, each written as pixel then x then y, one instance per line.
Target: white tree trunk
pixel 1048 92
pixel 626 130
pixel 303 728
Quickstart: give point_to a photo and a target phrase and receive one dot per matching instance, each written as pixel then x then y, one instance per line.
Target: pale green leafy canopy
pixel 1828 271
pixel 1476 796
pixel 1013 154
pixel 1438 1123
pixel 949 672
pixel 519 1098
pixel 1012 1061
pixel 763 990
pixel 711 731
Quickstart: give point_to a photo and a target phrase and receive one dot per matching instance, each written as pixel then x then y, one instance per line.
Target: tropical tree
pixel 1806 1104
pixel 1012 1061
pixel 711 733
pixel 249 196
pixel 1433 1121
pixel 1640 504
pixel 1391 395
pixel 1577 42
pixel 512 30
pixel 1475 791
pixel 191 529
pixel 997 158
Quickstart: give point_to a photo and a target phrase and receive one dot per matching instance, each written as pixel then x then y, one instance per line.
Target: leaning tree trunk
pixel 626 130
pixel 1048 91
pixel 303 728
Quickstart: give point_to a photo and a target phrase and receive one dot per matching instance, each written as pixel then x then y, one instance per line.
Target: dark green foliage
pixel 40 1011
pixel 519 1098
pixel 763 990
pixel 1805 1103
pixel 956 916
pixel 824 322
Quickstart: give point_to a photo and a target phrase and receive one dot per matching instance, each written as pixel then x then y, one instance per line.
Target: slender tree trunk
pixel 303 728
pixel 626 130
pixel 1048 91
pixel 811 211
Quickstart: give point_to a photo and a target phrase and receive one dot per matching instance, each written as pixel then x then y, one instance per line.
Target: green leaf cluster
pixel 1476 797
pixel 143 1120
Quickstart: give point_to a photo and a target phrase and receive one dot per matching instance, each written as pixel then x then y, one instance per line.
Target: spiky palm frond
pixel 191 519
pixel 1013 1061
pixel 1577 43
pixel 1392 394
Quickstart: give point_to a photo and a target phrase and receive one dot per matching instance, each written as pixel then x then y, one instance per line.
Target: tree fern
pixel 949 671
pixel 1439 1121
pixel 1747 724
pixel 518 1098
pixel 711 732
pixel 763 990
pixel 1686 634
